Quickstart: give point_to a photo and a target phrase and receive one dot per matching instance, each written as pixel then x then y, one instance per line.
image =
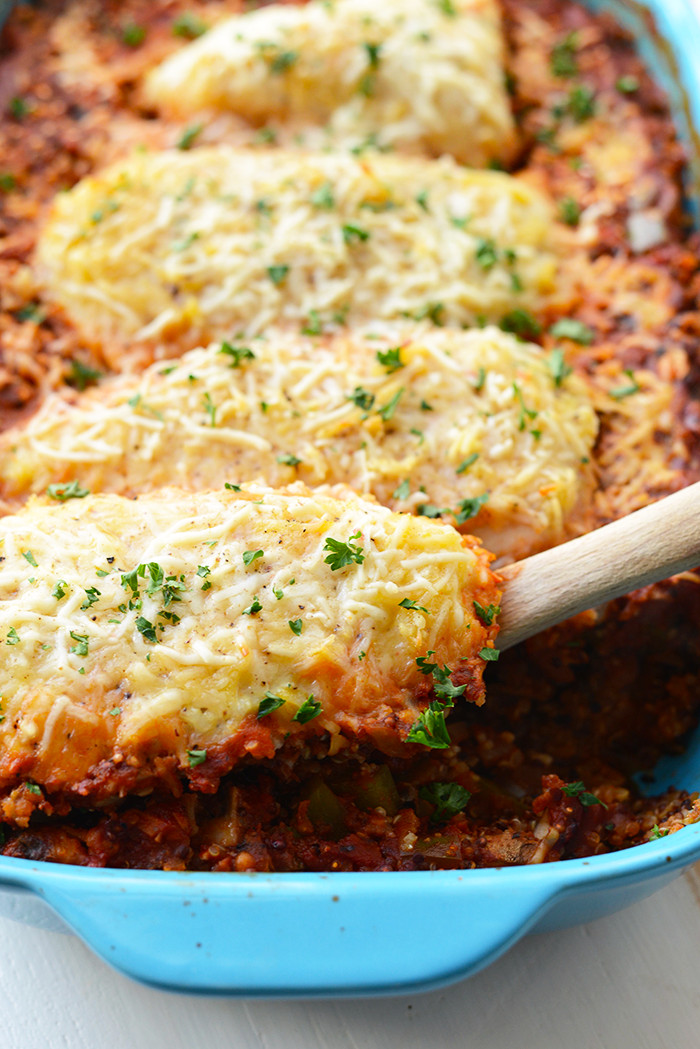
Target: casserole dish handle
pixel 283 935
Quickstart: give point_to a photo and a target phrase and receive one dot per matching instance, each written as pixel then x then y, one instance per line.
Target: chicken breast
pixel 472 426
pixel 145 640
pixel 409 74
pixel 185 246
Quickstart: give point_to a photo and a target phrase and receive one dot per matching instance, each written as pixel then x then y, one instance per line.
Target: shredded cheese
pixel 189 245
pixel 422 418
pixel 186 647
pixel 407 74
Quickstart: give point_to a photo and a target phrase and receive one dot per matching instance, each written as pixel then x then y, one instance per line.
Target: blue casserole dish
pixel 369 934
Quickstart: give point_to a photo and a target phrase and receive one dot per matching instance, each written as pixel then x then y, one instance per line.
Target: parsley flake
pixel 577 790
pixel 309 710
pixel 277 274
pixel 342 554
pixel 558 366
pixel 296 626
pixel 430 729
pixel 145 627
pixel 80 648
pixel 289 460
pixel 252 608
pixel 620 392
pixel 569 328
pixel 251 555
pixel 490 654
pixel 188 136
pixel 13 637
pixel 269 704
pixel 238 354
pixel 387 410
pixel 390 360
pixel 196 757
pixel 29 556
pixel 448 799
pixel 68 490
pixel 486 615
pixel 466 463
pixel 408 603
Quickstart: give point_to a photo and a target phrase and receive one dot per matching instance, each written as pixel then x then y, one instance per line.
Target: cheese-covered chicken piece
pixel 407 74
pixel 187 246
pixel 172 635
pixel 472 426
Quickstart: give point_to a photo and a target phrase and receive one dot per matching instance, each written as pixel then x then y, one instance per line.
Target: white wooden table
pixel 627 982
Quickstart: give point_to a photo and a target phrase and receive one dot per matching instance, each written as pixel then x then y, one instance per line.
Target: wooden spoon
pixel 647 546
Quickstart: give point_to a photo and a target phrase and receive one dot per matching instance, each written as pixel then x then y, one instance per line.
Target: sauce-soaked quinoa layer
pixel 544 770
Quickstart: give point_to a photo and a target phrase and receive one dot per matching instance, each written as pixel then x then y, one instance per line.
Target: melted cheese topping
pixel 403 73
pixel 449 416
pixel 235 600
pixel 204 243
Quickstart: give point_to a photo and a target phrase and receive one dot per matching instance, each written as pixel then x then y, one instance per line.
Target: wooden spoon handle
pixel 645 547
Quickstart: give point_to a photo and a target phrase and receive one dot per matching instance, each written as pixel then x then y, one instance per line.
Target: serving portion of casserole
pixel 285 279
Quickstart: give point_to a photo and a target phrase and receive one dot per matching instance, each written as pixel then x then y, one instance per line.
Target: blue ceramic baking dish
pixel 365 934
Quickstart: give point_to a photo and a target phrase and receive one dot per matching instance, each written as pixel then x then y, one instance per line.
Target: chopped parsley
pixel 33 788
pixel 268 704
pixel 209 408
pixel 486 254
pixel 283 61
pixel 277 274
pixel 422 200
pixel 323 197
pixel 486 615
pixel 188 26
pixel 251 555
pixel 621 392
pixel 189 136
pixel 390 360
pixel 408 603
pixel 81 375
pixel 80 648
pixel 19 107
pixel 232 488
pixel 92 596
pixel 562 59
pixel 469 508
pixel 115 711
pixel 354 234
pixel 252 608
pixel 387 410
pixel 403 491
pixel 577 790
pixel 68 490
pixel 59 590
pixel 466 463
pixel 627 85
pixel 13 637
pixel 569 328
pixel 525 412
pixel 342 554
pixel 581 103
pixel 448 799
pixel 430 729
pixel 521 323
pixel 133 35
pixel 558 366
pixel 490 654
pixel 569 211
pixel 8 182
pixel 289 460
pixel 362 398
pixel 447 8
pixel 29 556
pixel 238 354
pixel 145 627
pixel 309 710
pixel 656 832
pixel 313 324
pixel 480 380
pixel 196 757
pixel 296 626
